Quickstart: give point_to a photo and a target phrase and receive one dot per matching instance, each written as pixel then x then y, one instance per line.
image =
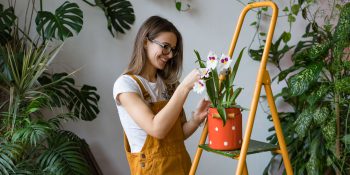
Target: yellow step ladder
pixel 263 78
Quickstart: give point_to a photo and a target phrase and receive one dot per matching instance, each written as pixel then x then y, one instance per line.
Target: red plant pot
pixel 228 137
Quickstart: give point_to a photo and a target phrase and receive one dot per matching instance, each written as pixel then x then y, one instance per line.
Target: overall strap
pixel 145 93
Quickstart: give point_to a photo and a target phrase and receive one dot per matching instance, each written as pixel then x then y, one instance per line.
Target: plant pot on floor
pixel 228 137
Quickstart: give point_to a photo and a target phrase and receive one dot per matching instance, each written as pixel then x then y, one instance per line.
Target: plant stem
pixel 91 4
pixel 337 114
pixel 31 16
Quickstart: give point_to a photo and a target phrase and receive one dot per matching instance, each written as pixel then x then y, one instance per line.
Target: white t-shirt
pixel 157 91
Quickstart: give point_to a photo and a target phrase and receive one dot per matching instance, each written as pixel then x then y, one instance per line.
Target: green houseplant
pixel 218 76
pixel 317 89
pixel 33 102
pixel 30 142
pixel 224 118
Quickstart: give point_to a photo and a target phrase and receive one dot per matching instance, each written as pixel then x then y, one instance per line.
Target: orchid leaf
pixel 222 113
pixel 200 61
pixel 235 67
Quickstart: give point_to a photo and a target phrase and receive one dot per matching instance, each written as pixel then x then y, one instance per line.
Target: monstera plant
pixel 317 90
pixel 33 102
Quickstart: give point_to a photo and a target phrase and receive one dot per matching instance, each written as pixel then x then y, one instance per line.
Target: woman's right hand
pixel 190 79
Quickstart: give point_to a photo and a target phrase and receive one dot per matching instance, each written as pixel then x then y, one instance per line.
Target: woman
pixel 150 98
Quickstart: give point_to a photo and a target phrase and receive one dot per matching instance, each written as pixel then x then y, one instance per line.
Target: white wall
pixel 208 26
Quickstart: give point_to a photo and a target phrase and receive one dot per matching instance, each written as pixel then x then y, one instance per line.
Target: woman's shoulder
pixel 125 80
pixel 125 83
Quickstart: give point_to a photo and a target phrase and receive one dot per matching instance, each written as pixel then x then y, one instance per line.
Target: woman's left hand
pixel 201 111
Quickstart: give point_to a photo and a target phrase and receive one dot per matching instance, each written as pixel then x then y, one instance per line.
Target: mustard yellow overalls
pixel 166 156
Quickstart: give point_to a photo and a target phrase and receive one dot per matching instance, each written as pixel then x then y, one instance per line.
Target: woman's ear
pixel 145 43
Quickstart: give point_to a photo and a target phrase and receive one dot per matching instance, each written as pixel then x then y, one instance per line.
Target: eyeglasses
pixel 166 47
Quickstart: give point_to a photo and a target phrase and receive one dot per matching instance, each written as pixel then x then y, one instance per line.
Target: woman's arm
pixel 198 116
pixel 160 124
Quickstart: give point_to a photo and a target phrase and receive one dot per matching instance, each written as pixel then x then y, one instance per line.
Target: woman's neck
pixel 149 73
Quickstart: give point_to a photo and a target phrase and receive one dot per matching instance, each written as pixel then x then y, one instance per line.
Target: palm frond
pixel 63 157
pixel 9 153
pixel 33 133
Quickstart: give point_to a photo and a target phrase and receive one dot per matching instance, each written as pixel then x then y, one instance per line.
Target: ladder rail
pixel 260 76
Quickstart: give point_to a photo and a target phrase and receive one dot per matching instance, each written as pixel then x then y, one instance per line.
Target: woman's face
pixel 161 49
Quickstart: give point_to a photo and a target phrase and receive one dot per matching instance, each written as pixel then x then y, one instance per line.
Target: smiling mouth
pixel 164 60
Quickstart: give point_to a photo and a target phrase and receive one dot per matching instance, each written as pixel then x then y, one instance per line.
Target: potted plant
pixel 224 118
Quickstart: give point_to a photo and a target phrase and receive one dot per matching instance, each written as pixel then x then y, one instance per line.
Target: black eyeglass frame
pixel 166 47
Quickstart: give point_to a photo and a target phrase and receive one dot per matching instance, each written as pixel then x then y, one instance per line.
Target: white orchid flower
pixel 212 60
pixel 204 72
pixel 199 86
pixel 224 63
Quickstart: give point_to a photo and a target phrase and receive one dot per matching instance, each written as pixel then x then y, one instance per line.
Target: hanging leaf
pixel 301 82
pixel 318 94
pixel 304 13
pixel 178 6
pixel 67 18
pixel 7 19
pixel 343 85
pixel 295 9
pixel 320 115
pixel 286 36
pixel 303 122
pixel 119 13
pixel 253 23
pixel 291 18
pixel 329 132
pixel 313 165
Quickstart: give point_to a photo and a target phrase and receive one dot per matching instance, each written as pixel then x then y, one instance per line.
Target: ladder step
pixel 254 147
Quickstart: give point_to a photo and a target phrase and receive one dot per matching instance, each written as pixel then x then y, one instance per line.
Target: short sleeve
pixel 124 84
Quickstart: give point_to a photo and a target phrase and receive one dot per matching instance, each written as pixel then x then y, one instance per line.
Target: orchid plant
pixel 217 78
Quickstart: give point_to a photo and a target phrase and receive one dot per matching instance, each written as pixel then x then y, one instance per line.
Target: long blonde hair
pixel 150 29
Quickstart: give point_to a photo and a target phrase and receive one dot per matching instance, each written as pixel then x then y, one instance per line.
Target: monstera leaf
pixel 119 13
pixel 81 102
pixel 7 19
pixel 67 18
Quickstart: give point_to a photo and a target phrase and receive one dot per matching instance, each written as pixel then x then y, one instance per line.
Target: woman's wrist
pixel 184 88
pixel 195 120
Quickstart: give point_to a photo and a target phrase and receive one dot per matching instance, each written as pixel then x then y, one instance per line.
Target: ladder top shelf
pixel 254 147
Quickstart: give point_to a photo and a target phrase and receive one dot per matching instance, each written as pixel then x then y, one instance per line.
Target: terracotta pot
pixel 228 137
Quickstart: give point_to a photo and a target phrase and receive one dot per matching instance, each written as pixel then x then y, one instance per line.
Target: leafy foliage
pixel 35 103
pixel 317 88
pixel 31 90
